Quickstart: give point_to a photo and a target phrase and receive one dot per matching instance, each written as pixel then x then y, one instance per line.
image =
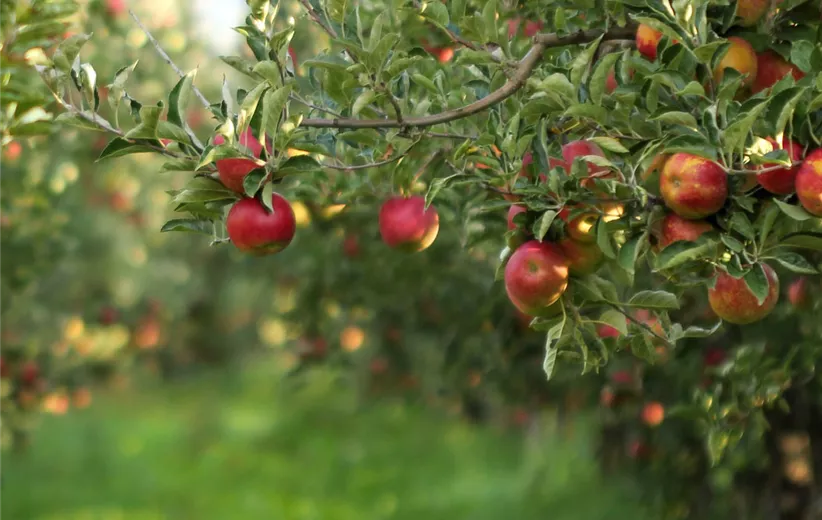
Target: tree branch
pixel 390 160
pixel 523 72
pixel 319 21
pixel 168 59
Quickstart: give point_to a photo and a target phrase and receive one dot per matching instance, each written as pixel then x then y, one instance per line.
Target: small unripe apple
pixel 536 276
pixel 781 181
pixel 653 413
pixel 693 187
pixel 675 228
pixel 798 293
pixel 232 171
pixel 770 68
pixel 254 229
pixel 405 224
pixel 732 301
pixel 741 57
pixel 647 39
pixel 583 258
pixel 809 183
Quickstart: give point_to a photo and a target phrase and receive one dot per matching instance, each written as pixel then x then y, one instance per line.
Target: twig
pixel 524 69
pixel 168 59
pixel 305 102
pixel 451 34
pixel 395 104
pixel 316 17
pixel 638 322
pixel 375 164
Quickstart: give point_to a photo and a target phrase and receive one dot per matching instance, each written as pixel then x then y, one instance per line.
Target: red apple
pixel 580 148
pixel 732 301
pixel 781 181
pixel 29 373
pixel 647 39
pixel 798 293
pixel 741 57
pixel 116 7
pixel 12 151
pixel 809 183
pixel 108 315
pixel 692 186
pixel 513 211
pixel 606 397
pixel 531 28
pixel 611 82
pixel 675 228
pixel 713 356
pixel 583 258
pixel 607 331
pixel 622 377
pixel 232 171
pixel 293 56
pixel 253 229
pixel 351 246
pixel 653 413
pixel 405 224
pixel 536 276
pixel 770 68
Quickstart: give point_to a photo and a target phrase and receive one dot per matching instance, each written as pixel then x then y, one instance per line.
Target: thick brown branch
pixel 523 72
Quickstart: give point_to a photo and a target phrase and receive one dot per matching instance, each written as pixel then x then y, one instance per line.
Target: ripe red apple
pixel 293 56
pixel 647 39
pixel 692 186
pixel 536 276
pixel 12 151
pixel 607 331
pixel 611 82
pixel 531 28
pixel 513 211
pixel 29 373
pixel 809 183
pixel 653 413
pixel 798 293
pixel 622 377
pixel 351 246
pixel 781 181
pixel 770 68
pixel 116 7
pixel 232 171
pixel 750 12
pixel 405 224
pixel 253 229
pixel 713 356
pixel 606 397
pixel 580 148
pixel 583 258
pixel 732 301
pixel 741 57
pixel 675 228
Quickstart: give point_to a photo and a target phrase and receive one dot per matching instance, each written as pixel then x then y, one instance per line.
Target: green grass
pixel 225 447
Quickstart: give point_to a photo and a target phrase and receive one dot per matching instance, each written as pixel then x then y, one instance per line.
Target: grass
pixel 248 447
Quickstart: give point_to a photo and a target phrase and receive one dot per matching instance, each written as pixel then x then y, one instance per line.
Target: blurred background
pixel 152 376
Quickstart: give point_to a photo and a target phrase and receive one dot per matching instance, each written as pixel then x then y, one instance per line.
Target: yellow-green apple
pixel 653 413
pixel 536 276
pixel 582 258
pixel 781 181
pixel 693 186
pixel 750 12
pixel 232 171
pixel 647 39
pixel 513 211
pixel 732 301
pixel 740 57
pixel 809 183
pixel 407 225
pixel 798 293
pixel 674 228
pixel 770 68
pixel 254 229
pixel 581 227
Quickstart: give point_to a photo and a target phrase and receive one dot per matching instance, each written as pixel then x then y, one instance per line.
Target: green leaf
pixel 583 60
pixel 610 144
pixel 178 99
pixel 190 225
pixel 700 332
pixel 249 107
pixel 147 129
pixel 736 133
pixel 253 181
pixel 801 52
pixel 782 108
pixel 733 244
pixel 615 319
pixel 757 282
pixel 795 262
pixel 676 118
pixel 604 240
pixel 797 213
pixel 551 349
pixel 421 80
pixel 362 101
pixel 768 218
pixel 600 76
pixel 489 20
pixel 119 147
pixel 682 252
pixel 654 300
pixel 543 224
pixel 270 71
pixel 68 51
pixel 436 12
pixel 804 240
pixel 705 53
pixel 740 223
pixel 273 103
pixel 166 130
pixel 70 118
pixel 187 196
pixel 437 185
pixel 629 252
pixel 179 165
pixel 298 164
pixel 240 64
pixel 504 256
